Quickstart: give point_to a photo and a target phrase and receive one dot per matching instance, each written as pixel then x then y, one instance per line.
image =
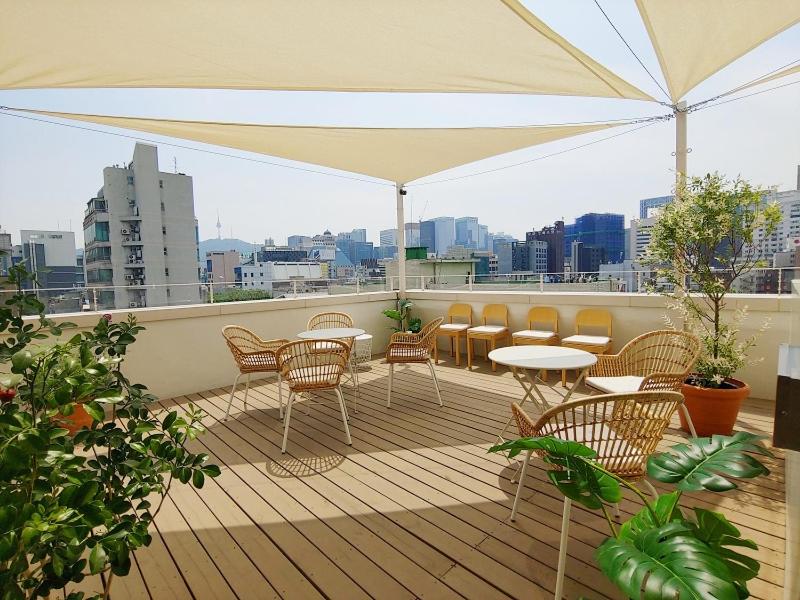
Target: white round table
pixel 331 333
pixel 530 360
pixel 339 333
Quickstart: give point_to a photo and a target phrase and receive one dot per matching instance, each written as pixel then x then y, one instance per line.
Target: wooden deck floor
pixel 415 508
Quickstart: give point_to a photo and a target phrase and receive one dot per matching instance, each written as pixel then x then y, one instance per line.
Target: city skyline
pixel 256 199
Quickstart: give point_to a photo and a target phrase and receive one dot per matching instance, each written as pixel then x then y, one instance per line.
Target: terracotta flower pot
pixel 713 410
pixel 76 421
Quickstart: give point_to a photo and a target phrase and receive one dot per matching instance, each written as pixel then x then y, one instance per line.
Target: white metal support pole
pixel 681 145
pixel 401 241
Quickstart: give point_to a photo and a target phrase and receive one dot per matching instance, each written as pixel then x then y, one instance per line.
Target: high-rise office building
pixel 51 256
pixel 639 235
pixel 388 237
pixel 604 230
pixel 553 236
pixel 221 266
pixel 585 258
pixel 445 234
pixel 529 256
pixel 140 236
pixel 412 235
pixel 6 248
pixel 483 236
pixel 467 232
pixel 649 206
pixel 503 249
pixel 427 236
pixel 298 242
pixel 787 234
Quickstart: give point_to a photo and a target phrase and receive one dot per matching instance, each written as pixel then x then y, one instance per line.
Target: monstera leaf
pixel 706 463
pixel 667 561
pixel 665 509
pixel 720 535
pixel 576 475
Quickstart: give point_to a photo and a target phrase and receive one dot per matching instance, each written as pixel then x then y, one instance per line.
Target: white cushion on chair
pixel 313 375
pixel 615 385
pixel 589 340
pixel 487 329
pixel 534 334
pixel 454 326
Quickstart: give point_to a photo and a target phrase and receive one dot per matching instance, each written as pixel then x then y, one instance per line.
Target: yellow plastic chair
pixel 493 329
pixel 459 319
pixel 589 322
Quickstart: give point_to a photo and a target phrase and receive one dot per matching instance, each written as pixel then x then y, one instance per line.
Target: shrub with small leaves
pixel 71 507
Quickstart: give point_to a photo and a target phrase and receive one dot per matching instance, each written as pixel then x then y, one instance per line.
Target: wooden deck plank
pixel 415 508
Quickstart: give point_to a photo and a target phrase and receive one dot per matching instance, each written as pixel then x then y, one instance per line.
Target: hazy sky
pixel 48 172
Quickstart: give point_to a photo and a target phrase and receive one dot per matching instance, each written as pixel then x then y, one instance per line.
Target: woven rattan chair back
pixel 460 313
pixel 543 315
pixel 495 314
pixel 305 367
pixel 427 335
pixel 593 320
pixel 330 320
pixel 251 353
pixel 624 429
pixel 664 352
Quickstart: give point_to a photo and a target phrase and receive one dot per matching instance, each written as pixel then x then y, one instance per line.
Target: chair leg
pixel 246 390
pixel 391 377
pixel 344 416
pixel 469 352
pixel 563 378
pixel 494 345
pixel 457 345
pixel 280 396
pixel 436 350
pixel 435 383
pixel 286 421
pixel 521 484
pixel 230 400
pixel 354 378
pixel 562 550
pixel 688 418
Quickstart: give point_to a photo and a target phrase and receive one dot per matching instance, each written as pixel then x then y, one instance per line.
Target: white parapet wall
pixel 633 314
pixel 182 350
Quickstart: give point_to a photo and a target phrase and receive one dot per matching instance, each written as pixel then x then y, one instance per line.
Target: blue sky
pixel 47 173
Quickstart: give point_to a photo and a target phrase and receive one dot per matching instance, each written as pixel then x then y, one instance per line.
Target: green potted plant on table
pixel 663 552
pixel 75 506
pixel 702 244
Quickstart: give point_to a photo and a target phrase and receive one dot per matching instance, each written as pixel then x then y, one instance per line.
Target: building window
pixel 162 207
pixel 168 293
pixel 165 250
pixel 164 230
pixel 130 179
pixel 161 183
pixel 166 272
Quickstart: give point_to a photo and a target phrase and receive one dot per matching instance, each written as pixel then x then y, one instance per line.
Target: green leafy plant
pixel 402 314
pixel 71 507
pixel 236 295
pixel 663 552
pixel 701 244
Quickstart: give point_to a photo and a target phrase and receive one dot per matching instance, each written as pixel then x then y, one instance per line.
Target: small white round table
pixel 527 361
pixel 331 333
pixel 339 333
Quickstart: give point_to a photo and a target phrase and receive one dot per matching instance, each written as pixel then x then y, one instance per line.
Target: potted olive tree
pixel 702 244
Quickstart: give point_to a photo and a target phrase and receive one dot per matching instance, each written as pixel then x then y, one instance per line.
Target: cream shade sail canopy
pixel 343 45
pixel 399 155
pixel 694 39
pixel 779 75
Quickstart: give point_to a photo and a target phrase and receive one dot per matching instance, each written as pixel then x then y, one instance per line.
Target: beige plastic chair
pixel 459 319
pixel 413 348
pixel 252 355
pixel 588 323
pixel 624 430
pixel 306 368
pixel 494 328
pixel 330 320
pixel 542 330
pixel 657 360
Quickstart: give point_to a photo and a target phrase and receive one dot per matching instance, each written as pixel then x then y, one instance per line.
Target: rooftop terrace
pixel 415 508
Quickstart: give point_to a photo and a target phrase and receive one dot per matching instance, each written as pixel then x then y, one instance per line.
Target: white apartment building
pixel 140 236
pixel 264 275
pixel 639 234
pixel 788 230
pixel 323 246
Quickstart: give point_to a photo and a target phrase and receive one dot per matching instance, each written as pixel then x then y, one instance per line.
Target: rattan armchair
pixel 333 320
pixel 308 369
pixel 624 430
pixel 413 348
pixel 252 355
pixel 658 360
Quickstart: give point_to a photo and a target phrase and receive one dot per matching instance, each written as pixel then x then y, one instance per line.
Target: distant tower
pixel 219 228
